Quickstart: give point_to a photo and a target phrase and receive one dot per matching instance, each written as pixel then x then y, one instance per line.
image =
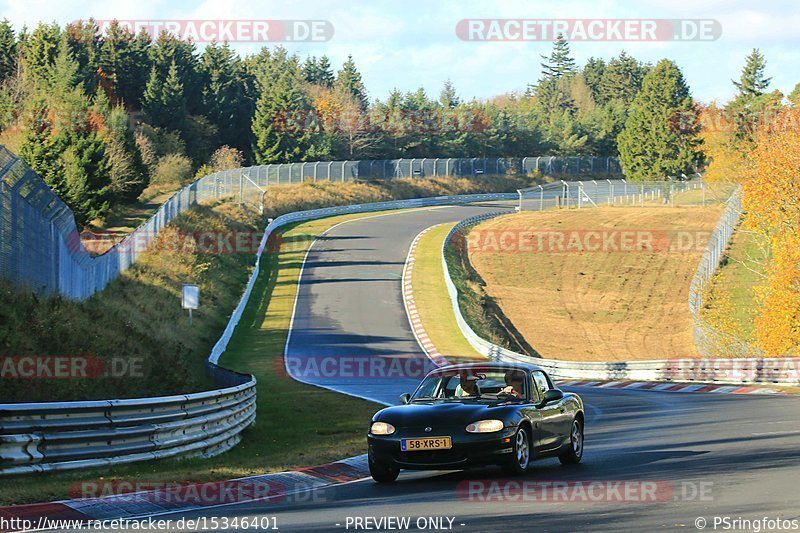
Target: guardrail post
pixel 541 198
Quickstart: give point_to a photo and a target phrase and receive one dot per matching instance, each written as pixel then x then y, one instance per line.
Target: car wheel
pixel 521 456
pixel 382 473
pixel 574 453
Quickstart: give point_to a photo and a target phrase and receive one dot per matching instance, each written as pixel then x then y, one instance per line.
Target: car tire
pixel 382 473
pixel 574 453
pixel 520 457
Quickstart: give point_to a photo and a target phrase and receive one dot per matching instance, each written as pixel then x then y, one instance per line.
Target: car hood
pixel 441 413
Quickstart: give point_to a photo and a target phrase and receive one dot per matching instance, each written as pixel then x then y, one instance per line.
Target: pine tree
pixel 83 42
pixel 552 91
pixel 8 50
pixel 40 51
pixel 85 179
pixel 224 101
pixel 309 70
pixel 124 64
pixel 622 79
pixel 652 145
pixel 168 50
pixel 348 81
pixel 448 96
pixel 752 83
pixel 560 63
pixel 325 76
pixel 173 99
pixel 126 171
pixel 593 74
pixel 152 99
pixel 278 137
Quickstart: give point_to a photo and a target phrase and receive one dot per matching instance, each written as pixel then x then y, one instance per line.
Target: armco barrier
pixel 733 371
pixel 57 436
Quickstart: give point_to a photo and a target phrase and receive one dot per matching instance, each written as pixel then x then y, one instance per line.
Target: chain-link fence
pixel 279 174
pixel 710 341
pixel 40 246
pixel 621 193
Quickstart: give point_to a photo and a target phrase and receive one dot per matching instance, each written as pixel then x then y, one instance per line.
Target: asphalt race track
pixel 349 306
pixel 682 456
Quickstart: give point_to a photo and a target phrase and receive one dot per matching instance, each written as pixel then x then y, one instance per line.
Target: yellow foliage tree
pixel 772 201
pixel 727 161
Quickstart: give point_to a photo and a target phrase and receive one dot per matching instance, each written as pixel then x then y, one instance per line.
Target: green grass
pixel 137 318
pixel 297 425
pixel 432 299
pixel 731 298
pixel 290 431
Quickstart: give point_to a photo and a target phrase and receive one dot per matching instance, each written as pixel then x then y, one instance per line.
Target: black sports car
pixel 477 414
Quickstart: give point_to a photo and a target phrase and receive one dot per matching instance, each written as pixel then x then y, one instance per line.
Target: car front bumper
pixel 468 449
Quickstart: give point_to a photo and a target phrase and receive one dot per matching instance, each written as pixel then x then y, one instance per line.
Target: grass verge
pixel 289 433
pixel 136 324
pixel 432 299
pixel 731 303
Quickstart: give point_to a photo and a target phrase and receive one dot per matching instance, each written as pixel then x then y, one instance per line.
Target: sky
pixel 405 44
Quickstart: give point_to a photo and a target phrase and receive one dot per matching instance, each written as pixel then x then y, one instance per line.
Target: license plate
pixel 427 443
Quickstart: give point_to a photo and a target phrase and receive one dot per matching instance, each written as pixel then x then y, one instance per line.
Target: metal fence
pixel 621 193
pixel 40 246
pixel 279 174
pixel 739 367
pixel 710 341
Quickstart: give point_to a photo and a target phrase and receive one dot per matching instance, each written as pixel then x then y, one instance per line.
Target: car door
pixel 562 421
pixel 549 436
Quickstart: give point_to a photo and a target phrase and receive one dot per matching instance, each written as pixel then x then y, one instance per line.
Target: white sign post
pixel 191 298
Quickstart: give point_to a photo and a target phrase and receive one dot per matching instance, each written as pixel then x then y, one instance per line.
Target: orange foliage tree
pixel 772 202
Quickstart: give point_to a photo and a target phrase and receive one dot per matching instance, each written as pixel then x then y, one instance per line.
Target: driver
pixel 468 385
pixel 514 380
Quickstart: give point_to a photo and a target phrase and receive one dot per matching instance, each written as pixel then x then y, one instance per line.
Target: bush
pixel 172 170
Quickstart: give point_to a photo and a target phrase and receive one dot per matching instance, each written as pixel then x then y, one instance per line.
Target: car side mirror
pixel 405 398
pixel 552 395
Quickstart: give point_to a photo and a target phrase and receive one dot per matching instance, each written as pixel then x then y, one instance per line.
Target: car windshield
pixel 472 385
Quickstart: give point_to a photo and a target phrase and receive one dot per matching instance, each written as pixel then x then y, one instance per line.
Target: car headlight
pixel 485 426
pixel 381 428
